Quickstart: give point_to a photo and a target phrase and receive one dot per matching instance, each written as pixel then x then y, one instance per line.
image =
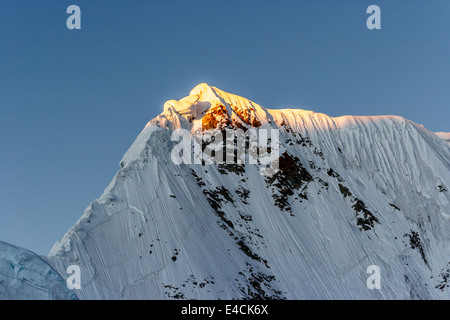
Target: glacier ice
pixel 26 276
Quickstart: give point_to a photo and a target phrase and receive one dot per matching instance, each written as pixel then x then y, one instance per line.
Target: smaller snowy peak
pixel 26 276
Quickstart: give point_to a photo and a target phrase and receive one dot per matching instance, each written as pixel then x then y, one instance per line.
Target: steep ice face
pixel 351 192
pixel 24 276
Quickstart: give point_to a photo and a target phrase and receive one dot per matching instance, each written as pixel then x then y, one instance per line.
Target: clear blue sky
pixel 73 101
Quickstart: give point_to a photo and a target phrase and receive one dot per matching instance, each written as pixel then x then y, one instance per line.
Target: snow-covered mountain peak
pixel 207 107
pixel 350 192
pixel 204 91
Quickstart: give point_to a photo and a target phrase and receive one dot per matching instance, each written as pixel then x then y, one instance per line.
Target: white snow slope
pixel 24 276
pixel 352 192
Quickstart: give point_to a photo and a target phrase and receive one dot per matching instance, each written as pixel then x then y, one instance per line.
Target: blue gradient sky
pixel 72 102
